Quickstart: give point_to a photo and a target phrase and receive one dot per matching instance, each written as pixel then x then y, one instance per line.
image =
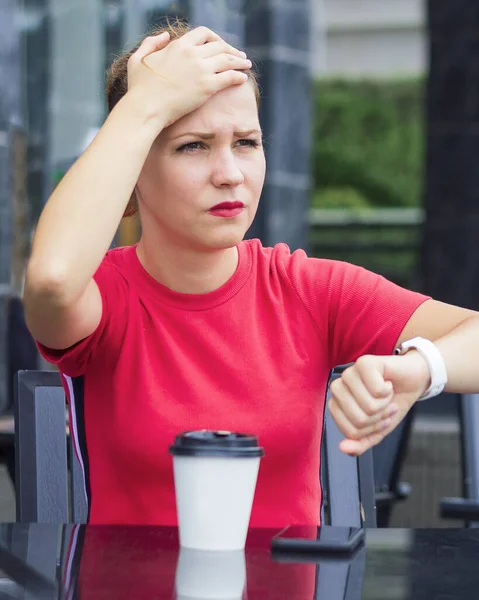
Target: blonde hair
pixel 117 81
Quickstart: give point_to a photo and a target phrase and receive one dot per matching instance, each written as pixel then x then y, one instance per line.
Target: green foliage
pixel 368 142
pixel 339 197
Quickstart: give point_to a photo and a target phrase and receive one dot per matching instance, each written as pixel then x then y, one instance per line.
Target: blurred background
pixel 370 111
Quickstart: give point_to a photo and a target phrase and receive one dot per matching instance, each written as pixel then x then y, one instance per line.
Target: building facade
pixel 369 38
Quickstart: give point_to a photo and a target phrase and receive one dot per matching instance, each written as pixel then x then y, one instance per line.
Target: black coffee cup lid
pixel 216 443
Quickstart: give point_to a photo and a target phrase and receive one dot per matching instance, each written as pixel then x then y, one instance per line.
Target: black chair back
pixel 44 491
pixel 466 508
pixel 347 482
pixel 388 458
pixel 469 419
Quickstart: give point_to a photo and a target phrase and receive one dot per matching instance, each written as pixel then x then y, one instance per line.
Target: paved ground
pixel 433 468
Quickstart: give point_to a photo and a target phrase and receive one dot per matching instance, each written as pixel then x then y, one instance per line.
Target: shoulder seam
pixel 320 333
pixel 111 264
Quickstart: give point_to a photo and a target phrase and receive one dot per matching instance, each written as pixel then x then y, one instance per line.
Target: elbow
pixel 46 283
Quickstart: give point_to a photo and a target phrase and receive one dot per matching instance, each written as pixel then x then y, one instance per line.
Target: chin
pixel 221 240
pixel 226 241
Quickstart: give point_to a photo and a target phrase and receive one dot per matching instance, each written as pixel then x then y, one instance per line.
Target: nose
pixel 226 171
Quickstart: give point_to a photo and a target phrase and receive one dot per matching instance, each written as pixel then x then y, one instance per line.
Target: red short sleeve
pixel 74 361
pixel 358 312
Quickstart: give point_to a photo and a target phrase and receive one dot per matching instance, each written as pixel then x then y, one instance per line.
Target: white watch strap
pixel 433 357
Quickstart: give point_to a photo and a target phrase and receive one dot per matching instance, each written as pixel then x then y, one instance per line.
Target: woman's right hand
pixel 171 79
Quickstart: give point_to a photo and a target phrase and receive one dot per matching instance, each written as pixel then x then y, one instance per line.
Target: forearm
pixel 460 351
pixel 80 219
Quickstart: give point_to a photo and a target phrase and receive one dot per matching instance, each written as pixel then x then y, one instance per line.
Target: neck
pixel 187 271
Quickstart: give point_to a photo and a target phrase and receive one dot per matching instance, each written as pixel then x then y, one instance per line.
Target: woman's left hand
pixel 372 397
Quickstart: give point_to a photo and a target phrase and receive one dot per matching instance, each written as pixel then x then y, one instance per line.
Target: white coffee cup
pixel 210 575
pixel 215 479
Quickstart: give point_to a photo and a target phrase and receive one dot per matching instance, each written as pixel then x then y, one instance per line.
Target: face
pixel 201 183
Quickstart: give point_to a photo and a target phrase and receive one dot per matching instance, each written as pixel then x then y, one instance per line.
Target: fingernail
pixel 248 62
pixel 386 423
pixel 393 410
pixel 243 54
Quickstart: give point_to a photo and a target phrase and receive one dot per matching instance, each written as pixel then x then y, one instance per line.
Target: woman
pixel 194 327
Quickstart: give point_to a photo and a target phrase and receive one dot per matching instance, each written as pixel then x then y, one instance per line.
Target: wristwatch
pixel 435 362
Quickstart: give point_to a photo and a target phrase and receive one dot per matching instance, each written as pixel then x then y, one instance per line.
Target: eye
pixel 249 142
pixel 191 147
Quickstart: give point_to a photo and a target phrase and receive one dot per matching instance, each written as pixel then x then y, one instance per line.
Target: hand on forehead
pixel 229 114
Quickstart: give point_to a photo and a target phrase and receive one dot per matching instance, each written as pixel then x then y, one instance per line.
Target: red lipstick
pixel 227 209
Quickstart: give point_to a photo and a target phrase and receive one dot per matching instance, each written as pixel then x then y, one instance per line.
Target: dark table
pixel 136 563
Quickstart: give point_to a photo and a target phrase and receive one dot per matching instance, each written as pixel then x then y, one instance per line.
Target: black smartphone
pixel 318 540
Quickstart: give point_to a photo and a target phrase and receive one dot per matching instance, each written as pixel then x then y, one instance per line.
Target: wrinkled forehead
pixel 232 109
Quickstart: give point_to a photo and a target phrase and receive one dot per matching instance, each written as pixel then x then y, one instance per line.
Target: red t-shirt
pixel 253 356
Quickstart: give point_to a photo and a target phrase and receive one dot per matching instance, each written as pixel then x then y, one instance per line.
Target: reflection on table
pixel 103 562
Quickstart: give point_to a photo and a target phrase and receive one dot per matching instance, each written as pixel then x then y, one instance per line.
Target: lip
pixel 228 205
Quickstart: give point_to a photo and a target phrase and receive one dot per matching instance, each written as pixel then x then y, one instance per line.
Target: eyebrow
pixel 210 136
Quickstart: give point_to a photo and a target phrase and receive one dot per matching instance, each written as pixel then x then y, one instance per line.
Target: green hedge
pixel 368 143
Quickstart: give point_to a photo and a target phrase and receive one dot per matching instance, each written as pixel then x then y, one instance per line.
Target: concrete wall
pixel 9 116
pixel 369 37
pixel 76 101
